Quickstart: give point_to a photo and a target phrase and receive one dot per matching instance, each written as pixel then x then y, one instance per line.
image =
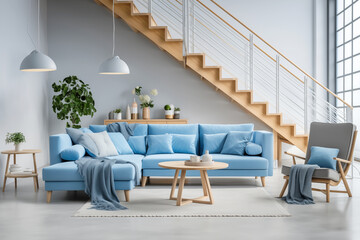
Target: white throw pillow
pixel 104 144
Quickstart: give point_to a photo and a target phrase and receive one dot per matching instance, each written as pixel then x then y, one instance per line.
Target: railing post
pixel 192 23
pixel 277 84
pixel 185 26
pixel 150 6
pixel 349 114
pixel 251 62
pixel 305 105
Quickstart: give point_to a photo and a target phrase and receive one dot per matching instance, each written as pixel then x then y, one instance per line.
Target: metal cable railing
pixel 244 55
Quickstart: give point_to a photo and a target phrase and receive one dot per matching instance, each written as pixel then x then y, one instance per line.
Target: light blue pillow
pixel 236 142
pixel 120 143
pixel 78 137
pixel 86 130
pixel 323 157
pixel 138 144
pixel 213 142
pixel 159 144
pixel 73 153
pixel 253 149
pixel 182 143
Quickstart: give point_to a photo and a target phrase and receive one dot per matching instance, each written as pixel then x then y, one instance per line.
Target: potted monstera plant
pixel 72 100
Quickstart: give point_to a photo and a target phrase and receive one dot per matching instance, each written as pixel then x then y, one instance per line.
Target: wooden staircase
pixel 145 24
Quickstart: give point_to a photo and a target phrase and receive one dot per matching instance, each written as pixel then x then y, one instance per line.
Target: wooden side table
pixel 34 174
pixel 180 165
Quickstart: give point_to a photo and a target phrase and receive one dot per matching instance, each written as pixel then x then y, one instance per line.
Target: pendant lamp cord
pixel 38 23
pixel 27 25
pixel 113 16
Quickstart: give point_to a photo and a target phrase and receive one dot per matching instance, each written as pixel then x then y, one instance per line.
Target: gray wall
pixel 23 96
pixel 79 36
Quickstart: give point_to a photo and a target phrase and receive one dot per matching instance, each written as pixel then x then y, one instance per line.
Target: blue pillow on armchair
pixel 236 142
pixel 323 157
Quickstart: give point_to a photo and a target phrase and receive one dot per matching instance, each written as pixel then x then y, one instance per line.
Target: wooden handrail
pixel 249 29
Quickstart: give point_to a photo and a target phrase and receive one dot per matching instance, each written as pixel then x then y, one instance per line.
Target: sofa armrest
pixel 266 140
pixel 58 143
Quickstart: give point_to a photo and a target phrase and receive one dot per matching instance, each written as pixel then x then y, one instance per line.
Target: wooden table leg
pixel 34 178
pixel 35 170
pixel 181 187
pixel 203 183
pixel 208 186
pixel 6 171
pixel 172 197
pixel 15 178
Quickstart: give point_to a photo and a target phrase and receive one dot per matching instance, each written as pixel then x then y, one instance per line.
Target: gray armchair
pixel 331 135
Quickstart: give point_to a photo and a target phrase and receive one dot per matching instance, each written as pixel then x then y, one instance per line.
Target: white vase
pixel 128 113
pixel 117 116
pixel 206 157
pixel 18 147
pixel 169 114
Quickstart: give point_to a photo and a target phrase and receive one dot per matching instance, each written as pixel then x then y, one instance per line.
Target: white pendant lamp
pixel 114 65
pixel 37 61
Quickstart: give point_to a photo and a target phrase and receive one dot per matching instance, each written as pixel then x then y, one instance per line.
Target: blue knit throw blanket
pixel 99 181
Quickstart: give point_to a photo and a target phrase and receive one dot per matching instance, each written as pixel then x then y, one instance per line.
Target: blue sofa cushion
pixel 151 161
pixel 138 144
pixel 182 143
pixel 253 149
pixel 323 157
pixel 67 171
pixel 221 128
pixel 213 142
pixel 78 137
pixel 187 129
pixel 120 143
pixel 73 153
pixel 159 144
pixel 86 130
pixel 140 130
pixel 235 162
pixel 236 142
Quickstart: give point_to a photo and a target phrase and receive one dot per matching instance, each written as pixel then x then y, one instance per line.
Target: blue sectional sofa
pixel 63 175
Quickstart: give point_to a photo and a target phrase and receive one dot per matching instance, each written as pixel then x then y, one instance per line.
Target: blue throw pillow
pixel 159 144
pixel 78 137
pixel 323 157
pixel 236 142
pixel 182 143
pixel 120 143
pixel 137 144
pixel 86 130
pixel 73 153
pixel 253 149
pixel 213 142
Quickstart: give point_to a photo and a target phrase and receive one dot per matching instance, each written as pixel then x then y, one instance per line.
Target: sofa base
pixel 80 186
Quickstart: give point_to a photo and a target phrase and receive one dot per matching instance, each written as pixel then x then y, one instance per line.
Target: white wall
pixel 79 36
pixel 23 96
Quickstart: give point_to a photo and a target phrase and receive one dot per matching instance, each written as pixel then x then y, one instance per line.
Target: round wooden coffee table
pixel 180 165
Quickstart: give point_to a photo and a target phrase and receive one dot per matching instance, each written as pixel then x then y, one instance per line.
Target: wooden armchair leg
pixel 347 187
pixel 284 188
pixel 143 181
pixel 48 196
pixel 127 195
pixel 263 181
pixel 327 192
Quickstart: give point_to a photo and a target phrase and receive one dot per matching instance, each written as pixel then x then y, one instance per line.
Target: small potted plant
pixel 168 112
pixel 17 138
pixel 117 114
pixel 177 113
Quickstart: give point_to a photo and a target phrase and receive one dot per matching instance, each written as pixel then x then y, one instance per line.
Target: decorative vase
pixel 18 147
pixel 128 113
pixel 206 157
pixel 111 115
pixel 117 116
pixel 169 114
pixel 177 115
pixel 134 110
pixel 146 113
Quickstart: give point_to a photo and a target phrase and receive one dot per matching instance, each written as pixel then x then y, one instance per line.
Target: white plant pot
pixel 117 116
pixel 169 114
pixel 18 147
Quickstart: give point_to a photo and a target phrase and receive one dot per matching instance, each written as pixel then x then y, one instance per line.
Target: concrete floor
pixel 25 215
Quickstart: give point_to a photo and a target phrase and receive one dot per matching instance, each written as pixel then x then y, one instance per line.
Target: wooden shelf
pixel 148 121
pixel 22 175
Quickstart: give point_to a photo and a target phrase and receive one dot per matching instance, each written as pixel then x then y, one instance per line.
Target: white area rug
pixel 228 202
